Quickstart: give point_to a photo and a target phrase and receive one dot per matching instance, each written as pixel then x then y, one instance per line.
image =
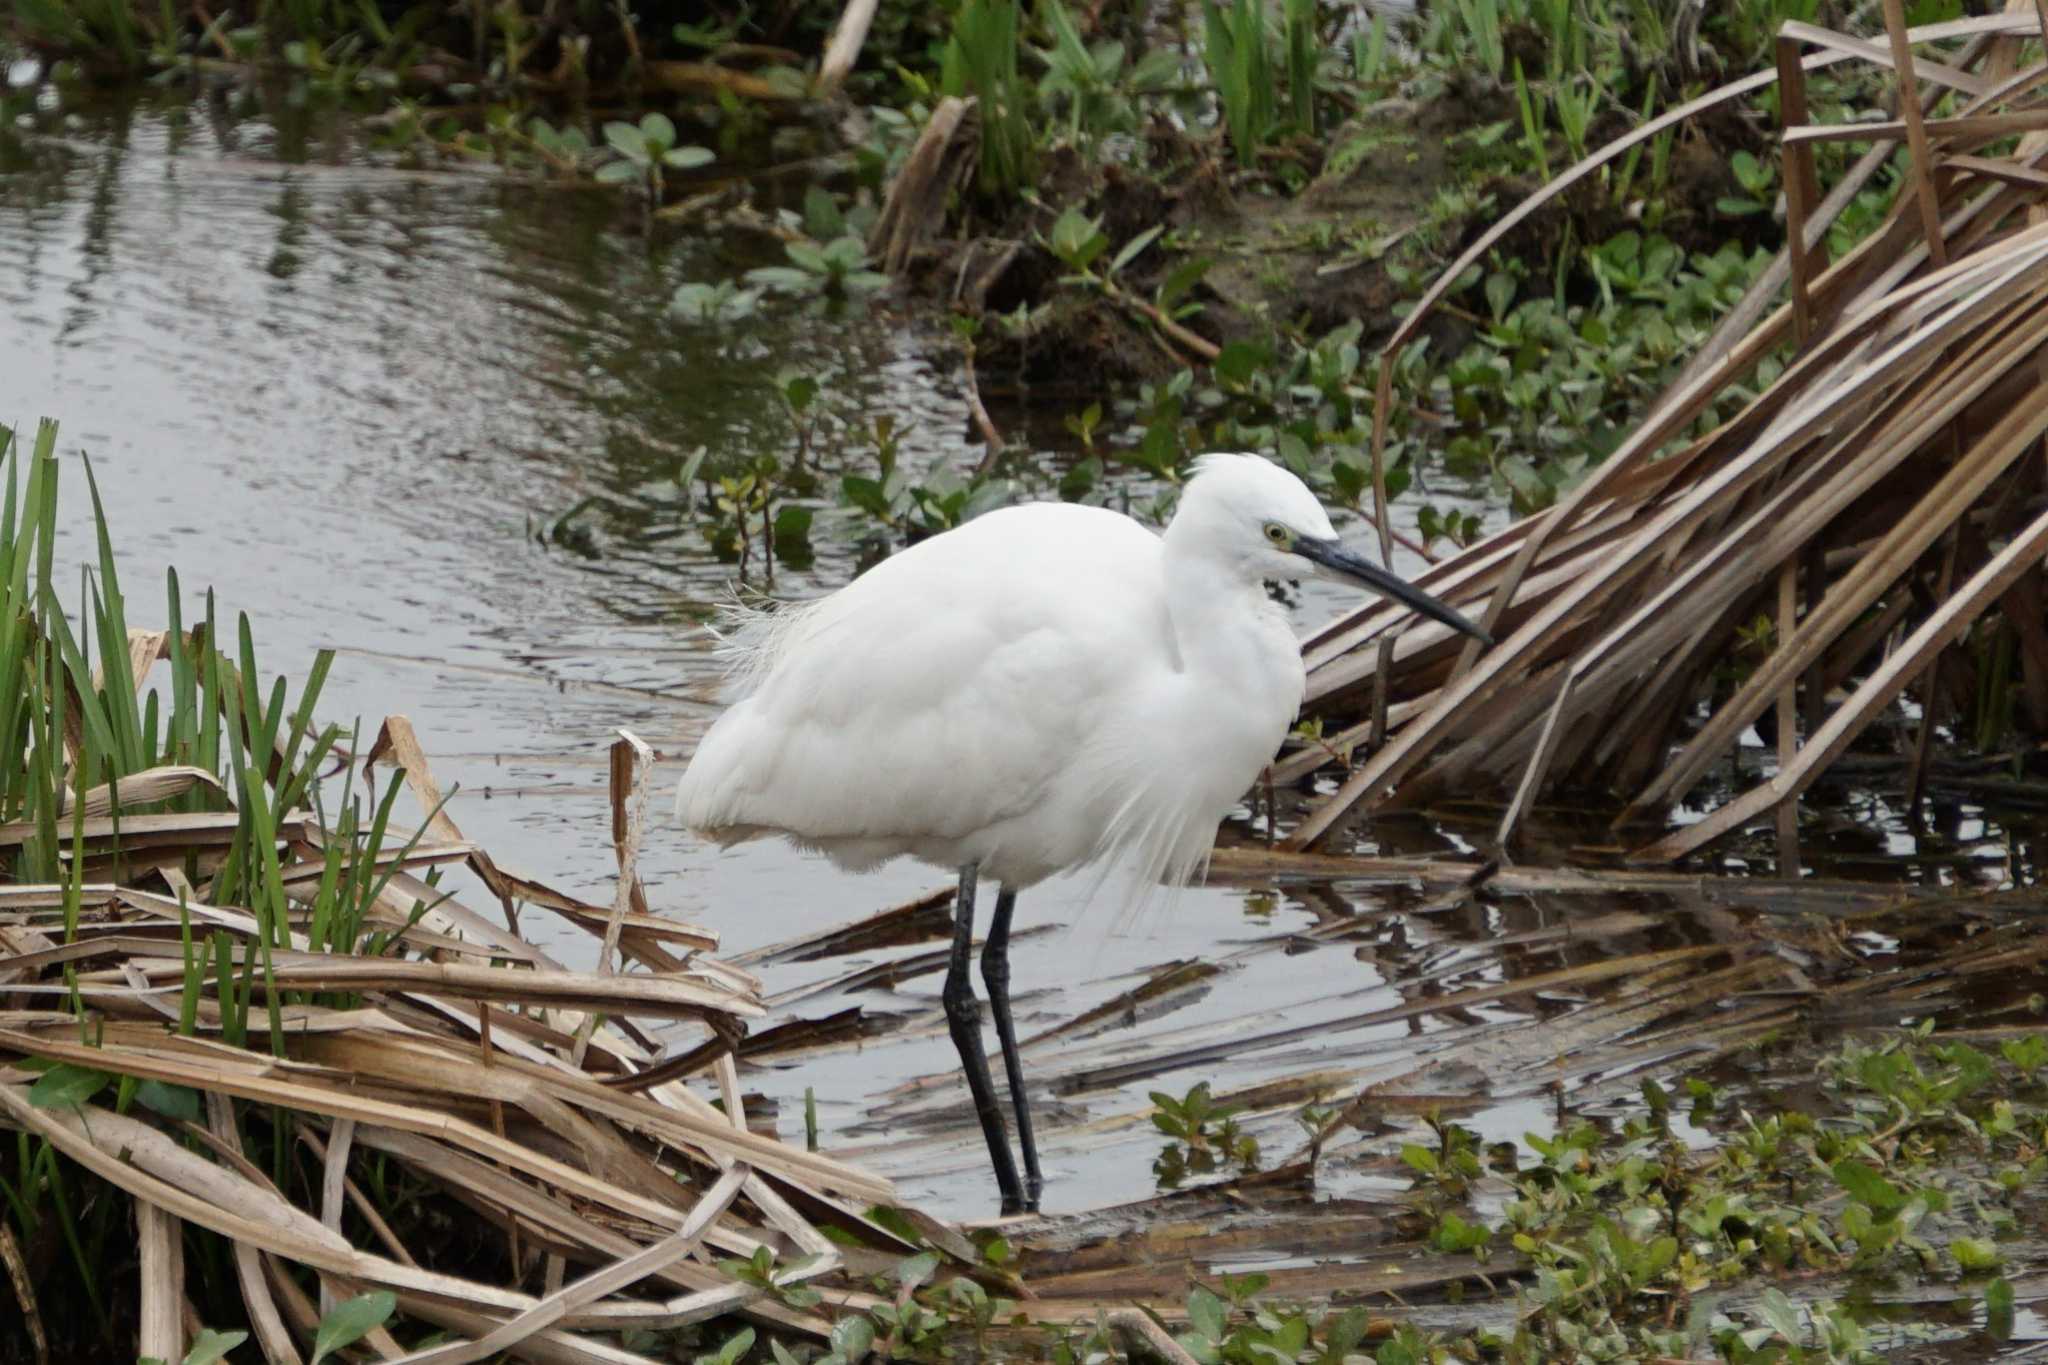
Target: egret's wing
pixel 942 692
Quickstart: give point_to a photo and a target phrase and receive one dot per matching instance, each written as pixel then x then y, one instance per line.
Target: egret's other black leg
pixel 995 971
pixel 963 1020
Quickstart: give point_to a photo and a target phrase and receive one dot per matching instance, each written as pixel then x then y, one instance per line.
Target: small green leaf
pixel 617 172
pixel 853 1336
pixel 627 141
pixel 786 279
pixel 798 390
pixel 688 158
pixel 1863 1182
pixel 1777 1311
pixel 793 526
pixel 866 494
pixel 1500 293
pixel 914 1271
pixel 1975 1254
pixel 1454 1234
pixel 658 131
pixel 1132 248
pixel 210 1346
pixel 1998 1308
pixel 809 257
pixel 1662 1253
pixel 1077 239
pixel 1180 282
pixel 65 1086
pixel 846 253
pixel 892 1220
pixel 1240 361
pixel 352 1321
pixel 172 1101
pixel 2026 1053
pixel 736 1345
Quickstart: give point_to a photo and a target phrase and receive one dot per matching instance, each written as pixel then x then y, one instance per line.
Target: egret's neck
pixel 1230 633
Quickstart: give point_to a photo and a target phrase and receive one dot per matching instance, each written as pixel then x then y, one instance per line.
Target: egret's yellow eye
pixel 1277 533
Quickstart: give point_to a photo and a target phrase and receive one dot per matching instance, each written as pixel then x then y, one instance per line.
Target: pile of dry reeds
pixel 1876 500
pixel 221 1010
pixel 529 1092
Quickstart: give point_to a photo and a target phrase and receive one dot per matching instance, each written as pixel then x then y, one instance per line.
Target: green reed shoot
pixel 1236 51
pixel 981 59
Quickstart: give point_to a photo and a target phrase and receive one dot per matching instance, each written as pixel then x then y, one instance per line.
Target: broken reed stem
pixel 843 50
pixel 1801 185
pixel 1194 343
pixel 1788 720
pixel 365 1209
pixel 630 759
pixel 1146 1334
pixel 161 1238
pixel 24 1293
pixel 1930 686
pixel 1916 132
pixel 992 440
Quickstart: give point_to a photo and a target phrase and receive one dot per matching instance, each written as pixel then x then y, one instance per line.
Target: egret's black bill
pixel 1333 556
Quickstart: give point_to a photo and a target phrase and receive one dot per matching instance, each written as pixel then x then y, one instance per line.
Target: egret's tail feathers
pixel 1157 843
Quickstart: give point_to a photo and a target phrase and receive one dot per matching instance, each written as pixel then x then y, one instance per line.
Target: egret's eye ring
pixel 1277 533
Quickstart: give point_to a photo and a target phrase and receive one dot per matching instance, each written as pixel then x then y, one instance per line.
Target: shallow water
pixel 343 394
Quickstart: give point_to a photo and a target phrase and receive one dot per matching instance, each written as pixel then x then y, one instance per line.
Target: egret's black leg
pixel 995 971
pixel 963 1020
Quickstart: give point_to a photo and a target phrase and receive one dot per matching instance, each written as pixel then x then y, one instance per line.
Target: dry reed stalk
pixel 843 50
pixel 1613 607
pixel 914 204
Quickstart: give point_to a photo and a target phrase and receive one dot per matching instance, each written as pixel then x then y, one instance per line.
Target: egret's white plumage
pixel 1043 688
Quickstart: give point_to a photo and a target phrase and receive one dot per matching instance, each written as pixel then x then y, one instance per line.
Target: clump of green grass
pixel 982 59
pixel 74 727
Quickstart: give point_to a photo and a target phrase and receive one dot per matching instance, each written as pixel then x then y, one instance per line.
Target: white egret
pixel 1046 687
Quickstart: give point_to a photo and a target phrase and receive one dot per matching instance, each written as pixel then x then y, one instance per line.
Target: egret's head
pixel 1252 511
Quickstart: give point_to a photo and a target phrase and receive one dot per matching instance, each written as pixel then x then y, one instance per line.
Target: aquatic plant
pixel 647 151
pixel 838 269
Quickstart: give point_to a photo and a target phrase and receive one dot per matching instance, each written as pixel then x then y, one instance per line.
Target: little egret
pixel 1046 687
